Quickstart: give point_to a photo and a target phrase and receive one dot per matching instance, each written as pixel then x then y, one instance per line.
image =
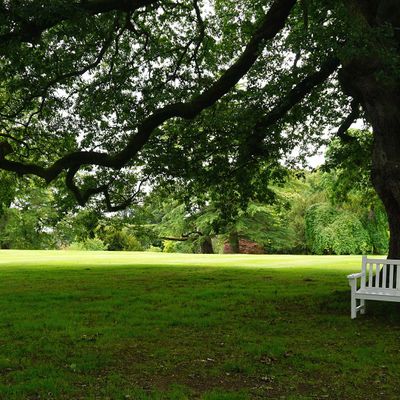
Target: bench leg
pixel 353 307
pixel 353 304
pixel 363 307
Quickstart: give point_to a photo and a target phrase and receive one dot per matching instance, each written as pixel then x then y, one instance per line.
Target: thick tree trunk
pixel 383 111
pixel 382 107
pixel 381 104
pixel 386 180
pixel 371 81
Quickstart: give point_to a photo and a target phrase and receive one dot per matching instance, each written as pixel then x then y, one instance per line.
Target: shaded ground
pixel 92 330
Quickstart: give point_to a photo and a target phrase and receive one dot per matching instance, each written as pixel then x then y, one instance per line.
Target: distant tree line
pixel 333 210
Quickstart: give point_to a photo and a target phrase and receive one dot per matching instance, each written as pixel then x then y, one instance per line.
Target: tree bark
pixel 234 241
pixel 381 104
pixel 206 246
pixel 386 180
pixel 362 78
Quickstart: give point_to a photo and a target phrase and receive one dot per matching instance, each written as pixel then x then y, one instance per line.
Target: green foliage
pixel 301 190
pixel 375 222
pixel 7 190
pixel 349 165
pixel 72 72
pixel 265 225
pixel 153 249
pixel 21 230
pixel 217 160
pixel 170 246
pixel 92 244
pixel 331 231
pixel 348 185
pixel 84 223
pixel 119 239
pixel 318 217
pixel 29 221
pixel 350 236
pixel 145 234
pixel 321 212
pixel 308 215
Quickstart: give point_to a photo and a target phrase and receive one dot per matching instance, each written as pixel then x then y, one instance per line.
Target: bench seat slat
pixel 379 291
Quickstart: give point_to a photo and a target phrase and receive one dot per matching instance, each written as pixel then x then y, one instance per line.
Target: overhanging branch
pixel 185 237
pixel 271 24
pixel 300 91
pixel 354 114
pixel 286 103
pixel 30 30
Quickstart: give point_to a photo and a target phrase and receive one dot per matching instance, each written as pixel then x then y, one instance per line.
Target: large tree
pixel 105 94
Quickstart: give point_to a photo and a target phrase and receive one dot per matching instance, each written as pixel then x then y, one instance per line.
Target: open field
pixel 102 325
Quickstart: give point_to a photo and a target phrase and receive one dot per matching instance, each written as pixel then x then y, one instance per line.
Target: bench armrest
pixel 355 276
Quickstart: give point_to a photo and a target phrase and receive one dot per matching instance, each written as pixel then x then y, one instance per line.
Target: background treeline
pixel 310 213
pixel 333 210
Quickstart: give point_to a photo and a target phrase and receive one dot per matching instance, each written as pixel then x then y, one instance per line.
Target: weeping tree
pixel 112 97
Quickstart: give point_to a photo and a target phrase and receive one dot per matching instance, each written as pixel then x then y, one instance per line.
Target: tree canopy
pixel 115 96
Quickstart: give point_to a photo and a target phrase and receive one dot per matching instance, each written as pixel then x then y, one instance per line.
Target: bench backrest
pixel 380 273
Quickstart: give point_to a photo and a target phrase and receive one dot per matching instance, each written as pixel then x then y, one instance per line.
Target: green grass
pixel 102 325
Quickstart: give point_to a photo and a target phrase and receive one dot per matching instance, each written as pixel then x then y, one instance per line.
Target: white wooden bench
pixel 379 280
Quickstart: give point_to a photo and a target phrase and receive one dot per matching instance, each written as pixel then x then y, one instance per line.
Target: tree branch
pixel 82 196
pixel 285 104
pixel 354 114
pixel 128 201
pixel 272 23
pixel 31 30
pixel 301 90
pixel 174 239
pixel 185 237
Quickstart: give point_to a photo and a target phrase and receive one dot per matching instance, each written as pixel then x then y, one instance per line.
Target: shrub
pixel 120 240
pixel 94 244
pixel 75 246
pixel 349 236
pixel 329 231
pixel 170 246
pixel 377 226
pixel 317 218
pixel 154 249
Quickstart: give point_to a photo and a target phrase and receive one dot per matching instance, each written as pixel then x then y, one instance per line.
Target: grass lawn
pixel 102 325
